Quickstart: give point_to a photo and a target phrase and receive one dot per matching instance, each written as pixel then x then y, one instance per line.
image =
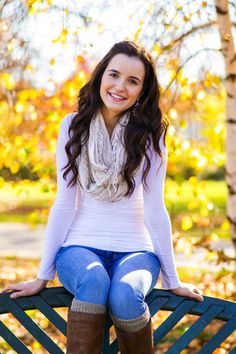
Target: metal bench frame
pixel 54 297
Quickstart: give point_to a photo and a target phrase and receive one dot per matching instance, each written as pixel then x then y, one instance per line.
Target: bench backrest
pixel 55 297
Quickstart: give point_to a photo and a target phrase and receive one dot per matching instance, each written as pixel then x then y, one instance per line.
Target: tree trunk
pixel 228 51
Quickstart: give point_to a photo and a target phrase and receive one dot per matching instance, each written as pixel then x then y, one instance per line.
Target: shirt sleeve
pixel 62 211
pixel 156 217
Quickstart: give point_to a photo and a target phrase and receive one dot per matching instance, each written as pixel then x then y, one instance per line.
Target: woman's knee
pixel 125 302
pixel 92 292
pixel 82 273
pixel 94 284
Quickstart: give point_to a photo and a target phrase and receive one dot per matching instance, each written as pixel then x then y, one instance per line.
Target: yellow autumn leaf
pixel 14 167
pixel 193 204
pixel 7 81
pixel 225 225
pixel 52 61
pixel 186 93
pixel 30 67
pixel 186 223
pixel 62 37
pixel 183 124
pixel 80 59
pixel 33 6
pixel 156 49
pixel 36 345
pixel 204 211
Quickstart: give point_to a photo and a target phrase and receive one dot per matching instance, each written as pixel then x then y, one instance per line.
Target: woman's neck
pixel 110 120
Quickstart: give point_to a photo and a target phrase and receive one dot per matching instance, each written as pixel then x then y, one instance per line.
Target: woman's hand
pixel 28 288
pixel 188 290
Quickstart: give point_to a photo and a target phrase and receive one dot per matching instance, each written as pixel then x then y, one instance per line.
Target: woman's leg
pixel 82 273
pixel 132 278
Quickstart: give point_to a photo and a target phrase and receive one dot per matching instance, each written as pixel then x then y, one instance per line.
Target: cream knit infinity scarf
pixel 102 159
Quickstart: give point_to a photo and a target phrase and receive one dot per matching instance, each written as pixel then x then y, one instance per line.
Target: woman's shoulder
pixel 65 124
pixel 66 120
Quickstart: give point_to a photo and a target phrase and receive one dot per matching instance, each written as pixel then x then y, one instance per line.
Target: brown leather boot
pixel 139 342
pixel 84 333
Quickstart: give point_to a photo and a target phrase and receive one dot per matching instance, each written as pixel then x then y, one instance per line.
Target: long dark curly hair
pixel 145 123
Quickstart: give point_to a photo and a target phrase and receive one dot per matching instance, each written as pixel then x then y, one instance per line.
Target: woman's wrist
pixel 179 286
pixel 43 281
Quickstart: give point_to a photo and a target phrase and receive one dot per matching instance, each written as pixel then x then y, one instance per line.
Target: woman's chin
pixel 115 108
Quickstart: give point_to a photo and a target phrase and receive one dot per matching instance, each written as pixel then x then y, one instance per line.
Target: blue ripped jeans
pixel 119 280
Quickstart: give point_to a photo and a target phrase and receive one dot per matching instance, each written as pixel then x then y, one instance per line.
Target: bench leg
pixel 139 342
pixel 84 332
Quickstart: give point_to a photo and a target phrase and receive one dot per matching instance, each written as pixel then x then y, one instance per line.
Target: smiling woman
pixel 109 233
pixel 121 87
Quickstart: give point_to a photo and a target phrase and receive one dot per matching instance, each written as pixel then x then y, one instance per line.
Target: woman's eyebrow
pixel 132 77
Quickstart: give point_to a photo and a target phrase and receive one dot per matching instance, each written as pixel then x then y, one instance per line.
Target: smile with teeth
pixel 116 97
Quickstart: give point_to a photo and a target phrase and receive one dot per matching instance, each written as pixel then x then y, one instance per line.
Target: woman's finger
pixel 198 296
pixel 5 290
pixel 197 290
pixel 14 287
pixel 9 287
pixel 18 294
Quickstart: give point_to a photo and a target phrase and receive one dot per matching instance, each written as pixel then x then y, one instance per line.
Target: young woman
pixel 109 234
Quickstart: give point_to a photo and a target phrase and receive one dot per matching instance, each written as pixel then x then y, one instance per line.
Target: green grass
pixel 178 196
pixel 33 194
pixel 18 201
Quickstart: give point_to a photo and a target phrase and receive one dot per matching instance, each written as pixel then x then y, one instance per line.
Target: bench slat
pixel 32 327
pixel 65 299
pixel 173 319
pixel 218 338
pixel 195 329
pixel 49 313
pixel 157 304
pixel 12 340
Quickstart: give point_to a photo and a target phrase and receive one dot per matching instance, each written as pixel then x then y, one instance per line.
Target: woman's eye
pixel 134 82
pixel 113 75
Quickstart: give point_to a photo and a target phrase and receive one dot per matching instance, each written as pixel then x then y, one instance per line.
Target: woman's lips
pixel 116 98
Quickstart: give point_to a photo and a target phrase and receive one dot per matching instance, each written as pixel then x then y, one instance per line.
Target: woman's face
pixel 121 83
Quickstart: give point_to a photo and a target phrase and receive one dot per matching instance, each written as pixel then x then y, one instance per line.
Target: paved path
pixel 21 240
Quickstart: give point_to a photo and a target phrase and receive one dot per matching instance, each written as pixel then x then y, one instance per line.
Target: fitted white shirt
pixel 139 222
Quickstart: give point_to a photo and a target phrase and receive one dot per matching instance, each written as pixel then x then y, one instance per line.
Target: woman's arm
pixel 59 220
pixel 62 211
pixel 157 219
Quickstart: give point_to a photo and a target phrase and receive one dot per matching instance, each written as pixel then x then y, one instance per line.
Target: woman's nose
pixel 120 85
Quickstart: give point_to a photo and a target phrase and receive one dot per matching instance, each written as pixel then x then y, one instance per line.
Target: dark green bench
pixel 55 297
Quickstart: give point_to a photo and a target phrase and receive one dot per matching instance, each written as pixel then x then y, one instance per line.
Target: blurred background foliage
pixel 183 38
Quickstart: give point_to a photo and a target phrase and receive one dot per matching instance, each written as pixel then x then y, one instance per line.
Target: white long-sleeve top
pixel 139 222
